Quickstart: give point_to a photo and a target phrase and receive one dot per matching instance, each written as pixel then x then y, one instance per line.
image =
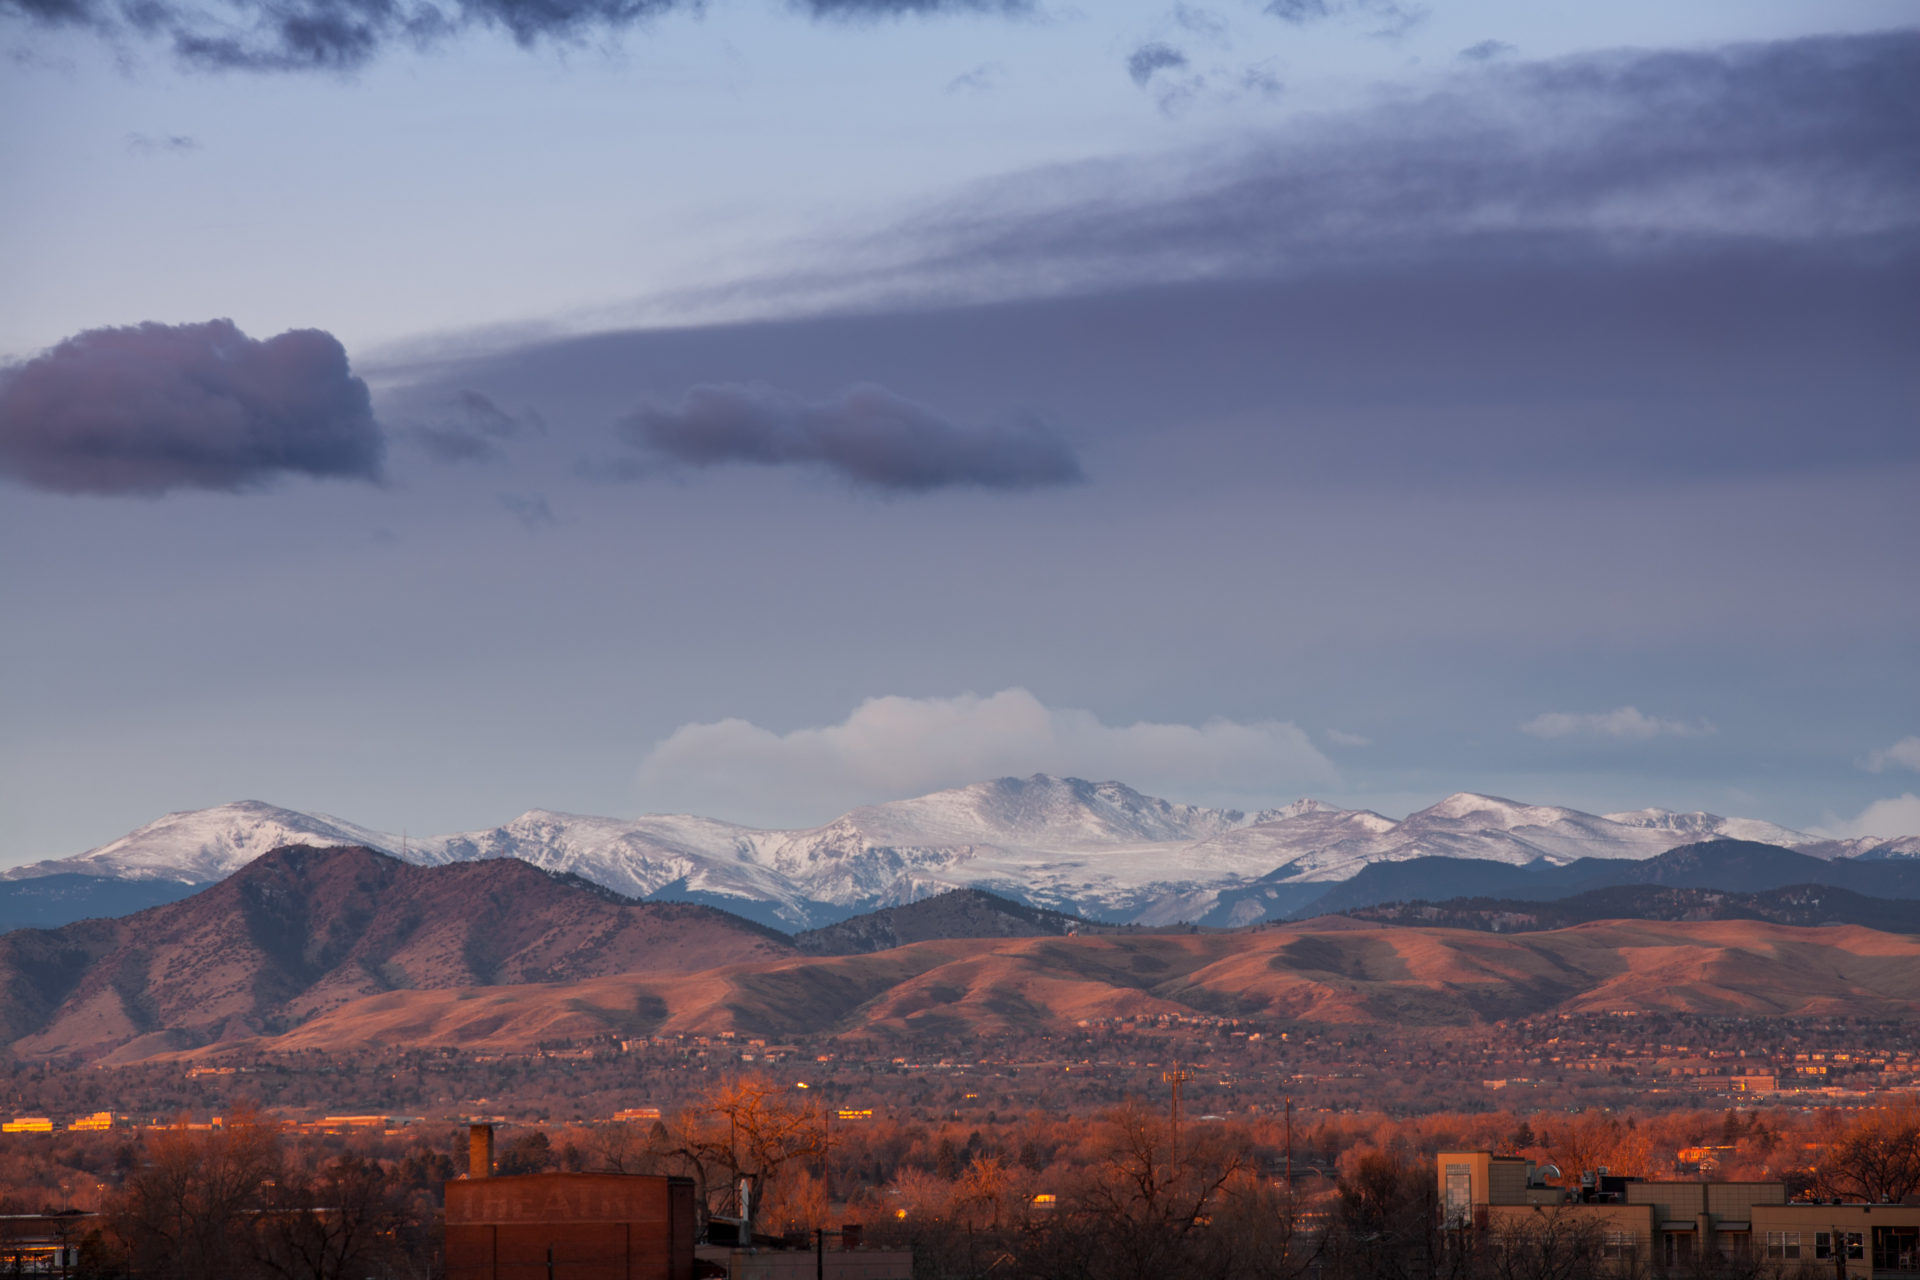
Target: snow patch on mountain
pixel 199 846
pixel 1710 826
pixel 1100 848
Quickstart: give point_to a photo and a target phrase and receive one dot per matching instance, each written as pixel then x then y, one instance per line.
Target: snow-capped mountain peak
pixel 1099 847
pixel 1044 809
pixel 199 846
pixel 1493 811
pixel 1708 826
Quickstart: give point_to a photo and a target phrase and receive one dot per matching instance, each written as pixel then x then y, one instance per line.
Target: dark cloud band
pixel 154 407
pixel 321 35
pixel 1620 156
pixel 866 433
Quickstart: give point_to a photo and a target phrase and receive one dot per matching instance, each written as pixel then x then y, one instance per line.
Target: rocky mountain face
pixel 299 931
pixel 1101 850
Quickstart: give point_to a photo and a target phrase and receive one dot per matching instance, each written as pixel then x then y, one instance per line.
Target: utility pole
pixel 1289 1163
pixel 1175 1078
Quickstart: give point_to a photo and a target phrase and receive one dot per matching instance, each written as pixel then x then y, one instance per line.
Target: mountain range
pixel 1098 850
pixel 339 948
pixel 1801 904
pixel 1727 865
pixel 299 932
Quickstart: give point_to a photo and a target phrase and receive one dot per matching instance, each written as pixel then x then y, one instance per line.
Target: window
pixel 1783 1244
pixel 1459 1195
pixel 1851 1244
pixel 1617 1244
pixel 1896 1249
pixel 1679 1247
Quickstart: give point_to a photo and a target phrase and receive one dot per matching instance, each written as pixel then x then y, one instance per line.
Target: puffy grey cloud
pixel 322 35
pixel 169 144
pixel 910 8
pixel 1486 51
pixel 1260 79
pixel 1150 59
pixel 470 427
pixel 154 407
pixel 1202 22
pixel 978 80
pixel 530 509
pixel 866 433
pixel 1904 754
pixel 1394 18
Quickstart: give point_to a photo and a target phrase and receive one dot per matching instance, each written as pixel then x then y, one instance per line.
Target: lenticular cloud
pixel 1627 723
pixel 154 407
pixel 892 747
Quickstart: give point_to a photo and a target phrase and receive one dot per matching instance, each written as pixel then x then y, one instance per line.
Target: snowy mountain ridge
pixel 1098 848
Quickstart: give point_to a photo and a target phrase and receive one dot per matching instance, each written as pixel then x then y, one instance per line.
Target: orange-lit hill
pixel 1320 971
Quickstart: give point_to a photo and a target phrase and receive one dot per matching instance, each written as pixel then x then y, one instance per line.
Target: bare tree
pixel 1876 1158
pixel 188 1212
pixel 1151 1205
pixel 338 1224
pixel 744 1128
pixel 1552 1245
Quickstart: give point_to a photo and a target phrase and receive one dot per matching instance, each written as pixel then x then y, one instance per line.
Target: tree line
pixel 1120 1195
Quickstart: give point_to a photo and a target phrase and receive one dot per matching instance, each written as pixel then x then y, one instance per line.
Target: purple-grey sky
pixel 425 413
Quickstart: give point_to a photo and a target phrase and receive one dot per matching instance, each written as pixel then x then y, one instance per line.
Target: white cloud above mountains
pixel 1883 819
pixel 1904 754
pixel 1626 724
pixel 894 747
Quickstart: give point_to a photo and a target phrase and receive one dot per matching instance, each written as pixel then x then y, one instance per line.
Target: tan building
pixel 1669 1224
pixel 1873 1240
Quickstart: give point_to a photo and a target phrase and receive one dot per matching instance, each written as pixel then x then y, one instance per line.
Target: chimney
pixel 480 1151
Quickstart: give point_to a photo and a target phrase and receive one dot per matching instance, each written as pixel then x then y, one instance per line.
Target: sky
pixel 421 412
